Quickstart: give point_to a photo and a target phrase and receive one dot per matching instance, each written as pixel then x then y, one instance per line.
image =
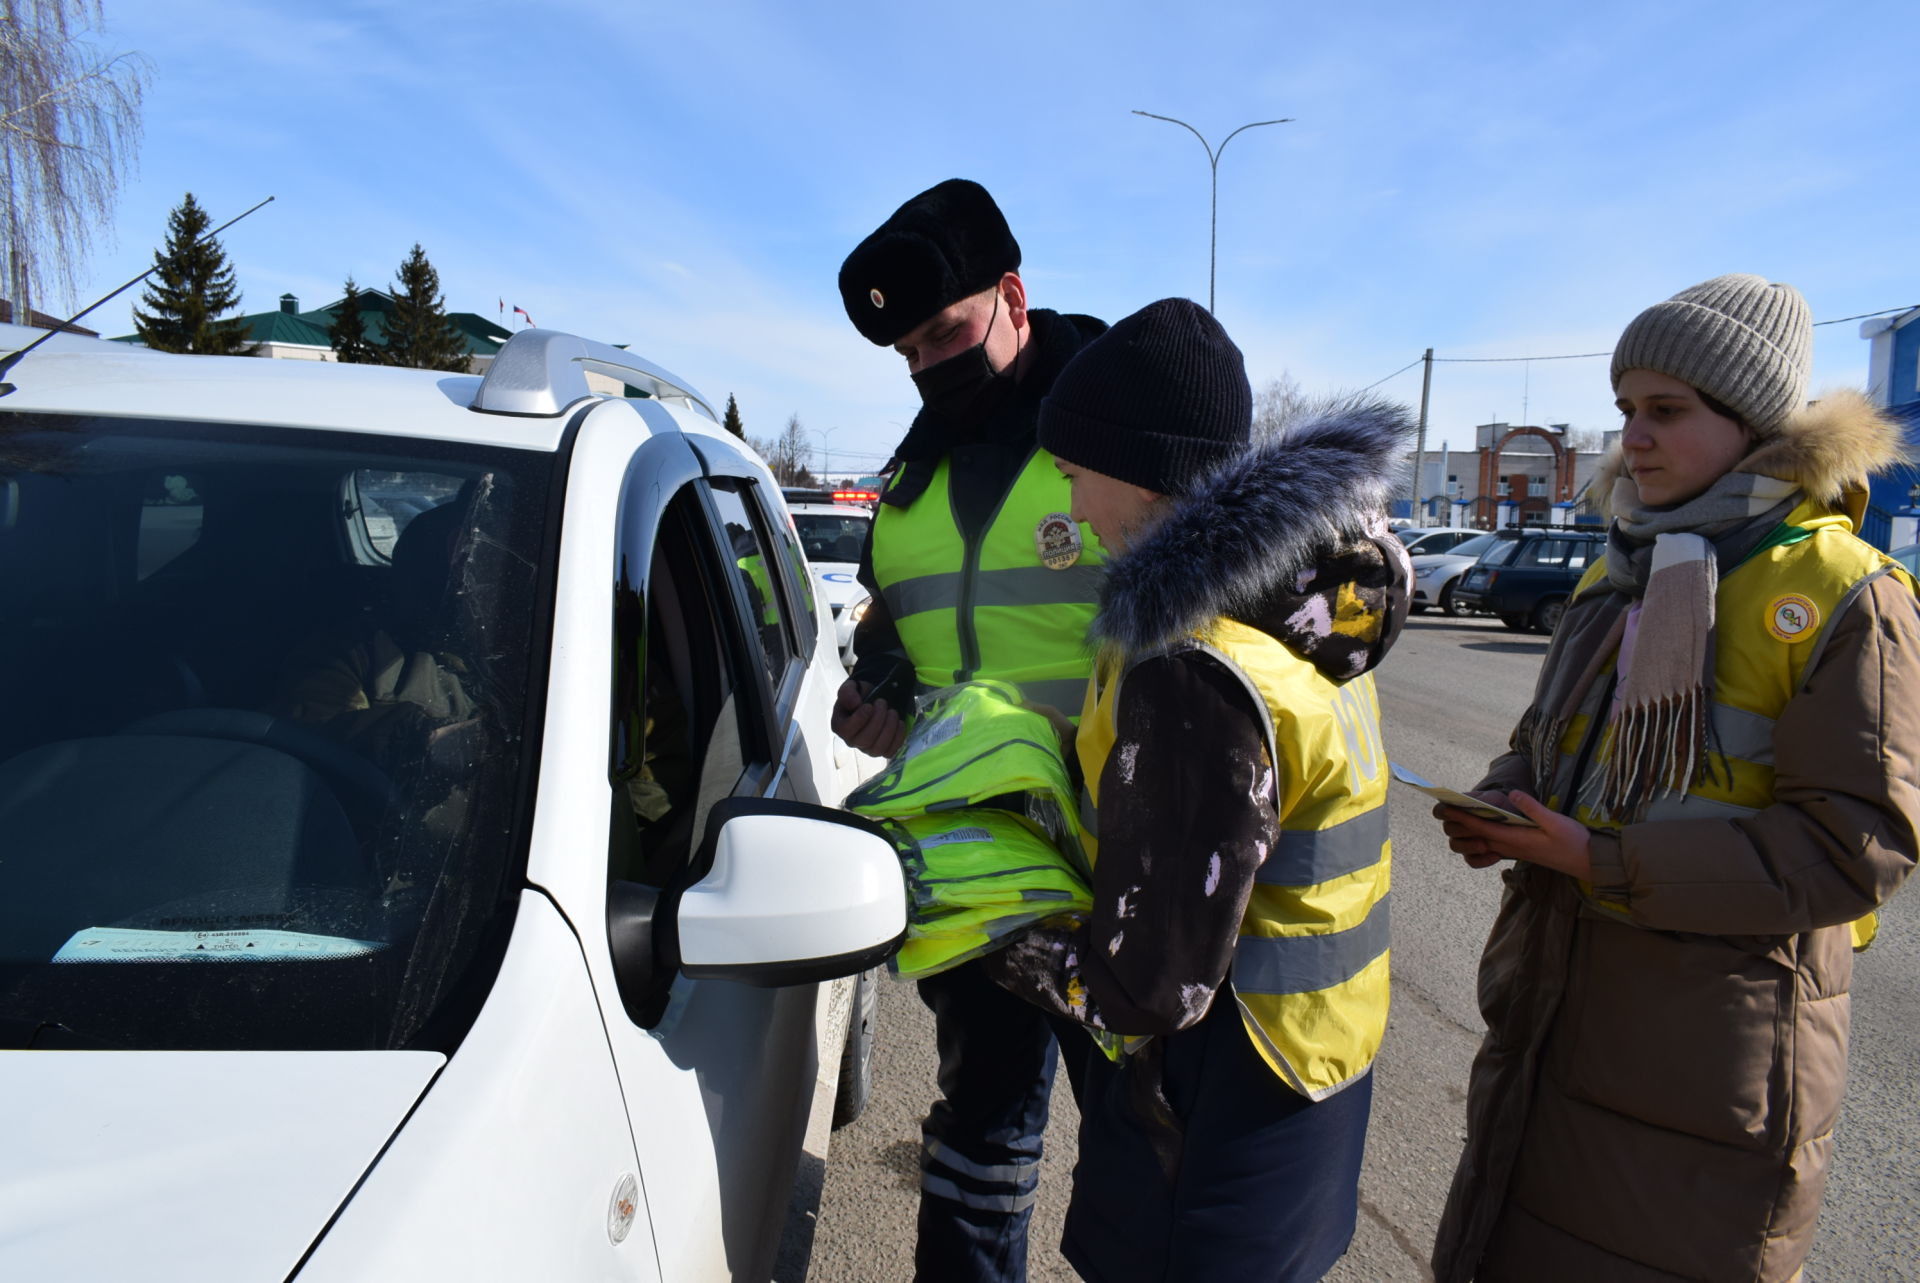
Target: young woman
pixel 1235 960
pixel 1721 759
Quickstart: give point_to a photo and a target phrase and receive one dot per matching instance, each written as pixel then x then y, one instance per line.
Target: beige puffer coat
pixel 1655 1096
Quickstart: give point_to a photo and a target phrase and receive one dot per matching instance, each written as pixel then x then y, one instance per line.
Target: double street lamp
pixel 826 454
pixel 1213 162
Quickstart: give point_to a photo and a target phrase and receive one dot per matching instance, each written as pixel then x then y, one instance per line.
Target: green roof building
pixel 290 334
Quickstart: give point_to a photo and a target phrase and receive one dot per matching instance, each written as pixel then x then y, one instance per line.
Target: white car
pixel 832 536
pixel 1419 542
pixel 413 860
pixel 1435 574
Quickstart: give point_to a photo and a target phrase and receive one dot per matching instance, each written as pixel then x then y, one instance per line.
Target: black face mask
pixel 965 388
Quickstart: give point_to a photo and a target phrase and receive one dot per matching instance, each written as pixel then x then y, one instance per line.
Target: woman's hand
pixel 1560 843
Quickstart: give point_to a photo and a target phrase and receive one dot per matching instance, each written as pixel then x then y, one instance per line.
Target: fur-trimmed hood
pixel 1289 537
pixel 1829 447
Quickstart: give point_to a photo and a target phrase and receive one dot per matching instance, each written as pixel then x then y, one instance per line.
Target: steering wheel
pixel 363 789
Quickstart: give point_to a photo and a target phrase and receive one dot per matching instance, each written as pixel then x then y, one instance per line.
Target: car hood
pixel 838 581
pixel 188 1165
pixel 1440 559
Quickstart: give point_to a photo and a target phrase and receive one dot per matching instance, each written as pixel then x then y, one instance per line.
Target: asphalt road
pixel 1450 693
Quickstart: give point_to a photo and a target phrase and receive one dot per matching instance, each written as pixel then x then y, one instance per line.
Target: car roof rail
pixel 543 372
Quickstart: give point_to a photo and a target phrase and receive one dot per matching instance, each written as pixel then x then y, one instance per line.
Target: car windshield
pixel 832 536
pixel 264 768
pixel 1499 552
pixel 1474 547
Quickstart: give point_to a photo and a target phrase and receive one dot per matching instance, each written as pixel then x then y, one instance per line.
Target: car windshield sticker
pixel 122 944
pixel 973 833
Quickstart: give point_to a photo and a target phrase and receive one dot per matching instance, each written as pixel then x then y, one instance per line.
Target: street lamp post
pixel 1213 163
pixel 826 454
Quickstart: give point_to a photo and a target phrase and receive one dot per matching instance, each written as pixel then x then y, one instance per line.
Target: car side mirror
pixel 780 893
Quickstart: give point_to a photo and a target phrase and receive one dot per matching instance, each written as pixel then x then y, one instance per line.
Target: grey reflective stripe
pixel 1739 733
pixel 940 1187
pixel 1695 807
pixel 1068 694
pixel 1304 964
pixel 922 593
pixel 997 873
pixel 1014 586
pixel 1089 817
pixel 1304 858
pixel 1019 1175
pixel 1037 586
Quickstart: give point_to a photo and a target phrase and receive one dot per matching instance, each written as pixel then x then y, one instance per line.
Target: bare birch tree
pixel 69 127
pixel 1276 405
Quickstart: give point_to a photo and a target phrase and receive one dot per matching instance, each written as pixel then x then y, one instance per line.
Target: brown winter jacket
pixel 1656 1093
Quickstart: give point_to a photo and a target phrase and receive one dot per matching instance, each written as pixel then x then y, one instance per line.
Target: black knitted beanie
pixel 1159 400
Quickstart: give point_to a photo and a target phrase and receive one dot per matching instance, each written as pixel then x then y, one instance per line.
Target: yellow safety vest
pixel 1772 617
pixel 991 607
pixel 1310 967
pixel 976 877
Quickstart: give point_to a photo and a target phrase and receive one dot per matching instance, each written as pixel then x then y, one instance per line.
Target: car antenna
pixel 8 362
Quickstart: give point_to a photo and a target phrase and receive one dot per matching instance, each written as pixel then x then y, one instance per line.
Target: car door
pixel 677 662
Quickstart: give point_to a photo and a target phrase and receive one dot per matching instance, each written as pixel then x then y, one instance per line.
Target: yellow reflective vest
pixel 1772 616
pixel 1310 967
pixel 992 607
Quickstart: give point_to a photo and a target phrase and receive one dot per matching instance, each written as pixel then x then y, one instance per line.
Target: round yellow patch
pixel 1792 618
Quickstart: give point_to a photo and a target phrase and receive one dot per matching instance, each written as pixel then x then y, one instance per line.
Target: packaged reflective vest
pixel 979 802
pixel 972 742
pixel 976 877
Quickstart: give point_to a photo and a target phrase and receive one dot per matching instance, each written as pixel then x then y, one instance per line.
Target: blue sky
pixel 1487 179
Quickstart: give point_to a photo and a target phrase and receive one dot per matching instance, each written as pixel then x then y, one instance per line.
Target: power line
pixel 1864 315
pixel 1396 374
pixel 1485 360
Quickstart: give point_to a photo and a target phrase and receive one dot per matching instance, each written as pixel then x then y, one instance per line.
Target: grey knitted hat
pixel 1744 341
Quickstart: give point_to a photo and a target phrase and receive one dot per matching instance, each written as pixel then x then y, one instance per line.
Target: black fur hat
pixel 947 243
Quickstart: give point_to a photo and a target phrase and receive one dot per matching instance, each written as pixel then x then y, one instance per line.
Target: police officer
pixel 975 571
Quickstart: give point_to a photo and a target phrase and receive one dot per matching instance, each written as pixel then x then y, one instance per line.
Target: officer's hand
pixel 870 727
pixel 1063 728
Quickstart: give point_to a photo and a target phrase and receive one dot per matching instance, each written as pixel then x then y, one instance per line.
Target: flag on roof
pixel 523 312
pixel 503 307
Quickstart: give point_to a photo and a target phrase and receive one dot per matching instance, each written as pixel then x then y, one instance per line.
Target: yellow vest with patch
pixel 1310 967
pixel 1771 617
pixel 991 607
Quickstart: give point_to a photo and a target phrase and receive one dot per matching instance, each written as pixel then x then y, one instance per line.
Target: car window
pixel 1500 553
pixel 380 502
pixel 798 583
pixel 1472 546
pixel 676 718
pixel 257 794
pixel 1542 553
pixel 756 566
pixel 832 536
pixel 171 515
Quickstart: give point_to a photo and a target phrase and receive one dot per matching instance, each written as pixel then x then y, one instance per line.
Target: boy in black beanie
pixel 1233 970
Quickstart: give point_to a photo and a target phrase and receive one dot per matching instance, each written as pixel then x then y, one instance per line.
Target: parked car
pixel 1435 574
pixel 414 782
pixel 833 536
pixel 1436 539
pixel 1526 576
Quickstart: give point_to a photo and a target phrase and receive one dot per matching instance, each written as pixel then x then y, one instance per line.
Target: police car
pixel 833 535
pixel 415 858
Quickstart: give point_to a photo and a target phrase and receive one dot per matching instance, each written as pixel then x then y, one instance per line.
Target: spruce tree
pixel 192 286
pixel 418 332
pixel 731 420
pixel 349 331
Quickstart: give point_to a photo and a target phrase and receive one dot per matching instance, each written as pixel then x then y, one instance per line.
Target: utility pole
pixel 1213 163
pixel 1420 438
